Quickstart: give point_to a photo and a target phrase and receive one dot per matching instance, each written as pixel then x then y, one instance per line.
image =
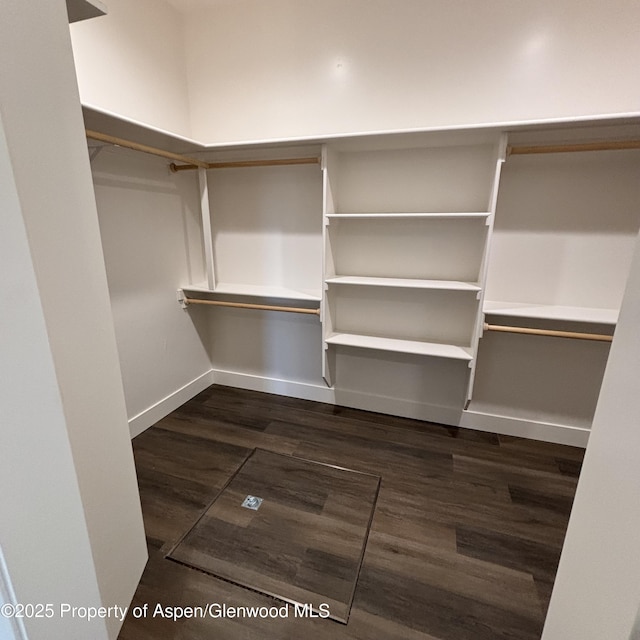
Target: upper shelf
pixel 114 124
pixel 414 216
pixel 525 132
pixel 121 127
pixel 551 312
pixel 406 283
pixel 257 291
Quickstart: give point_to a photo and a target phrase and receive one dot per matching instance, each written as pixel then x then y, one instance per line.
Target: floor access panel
pixel 287 527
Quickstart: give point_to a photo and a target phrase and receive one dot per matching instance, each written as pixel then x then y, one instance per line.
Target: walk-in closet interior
pixel 363 287
pixel 469 277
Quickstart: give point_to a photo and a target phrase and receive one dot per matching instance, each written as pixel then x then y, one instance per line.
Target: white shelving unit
pixel 391 240
pixel 265 229
pixel 565 227
pixel 421 247
pixel 405 250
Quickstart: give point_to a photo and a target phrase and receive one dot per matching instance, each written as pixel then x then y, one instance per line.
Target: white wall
pixel 539 378
pixel 267 226
pixel 152 240
pixel 72 527
pixel 596 593
pixel 252 70
pixel 37 465
pixel 267 231
pixel 267 344
pixel 635 633
pixel 131 62
pixel 565 229
pixel 288 68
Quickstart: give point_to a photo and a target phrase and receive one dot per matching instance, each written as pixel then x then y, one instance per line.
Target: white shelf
pixel 408 283
pixel 413 216
pixel 551 312
pixel 119 126
pixel 401 346
pixel 255 291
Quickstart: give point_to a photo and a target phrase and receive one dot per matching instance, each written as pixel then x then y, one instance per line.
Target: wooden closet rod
pixel 121 142
pixel 614 145
pixel 247 163
pixel 246 305
pixel 547 332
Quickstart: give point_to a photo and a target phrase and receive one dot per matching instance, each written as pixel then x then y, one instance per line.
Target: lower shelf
pixel 551 312
pixel 416 347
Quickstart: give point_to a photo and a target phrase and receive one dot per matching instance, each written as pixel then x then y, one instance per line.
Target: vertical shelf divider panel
pixel 329 194
pixel 205 210
pixel 501 153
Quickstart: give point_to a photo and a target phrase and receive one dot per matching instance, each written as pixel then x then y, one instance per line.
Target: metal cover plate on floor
pixel 252 502
pixel 303 542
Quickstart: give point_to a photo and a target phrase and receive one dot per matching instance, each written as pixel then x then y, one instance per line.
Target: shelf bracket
pixel 94 152
pixel 182 299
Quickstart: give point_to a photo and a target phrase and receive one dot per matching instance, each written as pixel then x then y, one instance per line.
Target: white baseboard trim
pixel 505 425
pixel 535 430
pixel 354 399
pixel 164 407
pixel 303 390
pixel 398 407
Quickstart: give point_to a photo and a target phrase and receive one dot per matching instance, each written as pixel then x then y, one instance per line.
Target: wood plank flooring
pixel 305 542
pixel 464 543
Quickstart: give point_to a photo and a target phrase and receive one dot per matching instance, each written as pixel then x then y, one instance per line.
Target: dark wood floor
pixel 464 542
pixel 304 543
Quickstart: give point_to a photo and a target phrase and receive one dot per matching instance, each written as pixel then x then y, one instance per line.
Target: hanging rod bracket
pixel 174 168
pixel 182 300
